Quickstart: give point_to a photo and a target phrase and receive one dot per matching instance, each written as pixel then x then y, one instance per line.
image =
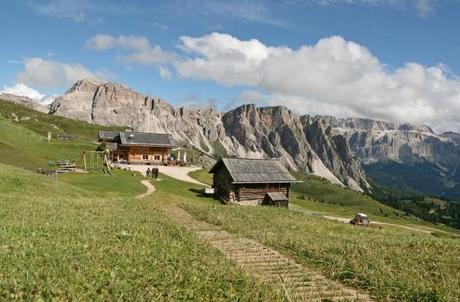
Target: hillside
pixel 63 243
pixel 123 248
pixel 23 137
pixel 331 147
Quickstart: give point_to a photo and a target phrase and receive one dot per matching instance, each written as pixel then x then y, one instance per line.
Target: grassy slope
pixel 319 197
pixel 67 240
pixel 202 175
pixel 62 242
pixel 389 262
pixel 25 148
pixel 120 184
pixel 42 123
pixel 25 144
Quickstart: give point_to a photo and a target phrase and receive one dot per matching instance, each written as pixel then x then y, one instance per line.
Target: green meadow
pixel 84 236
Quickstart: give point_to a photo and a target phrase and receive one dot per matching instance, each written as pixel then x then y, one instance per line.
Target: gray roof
pixel 108 135
pixel 277 196
pixel 112 146
pixel 244 170
pixel 147 139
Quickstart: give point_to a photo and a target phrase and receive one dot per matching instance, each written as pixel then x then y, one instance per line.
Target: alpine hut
pixel 137 147
pixel 252 181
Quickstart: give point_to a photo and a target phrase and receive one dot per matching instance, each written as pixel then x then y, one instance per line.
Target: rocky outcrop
pixel 25 101
pixel 301 142
pixel 377 141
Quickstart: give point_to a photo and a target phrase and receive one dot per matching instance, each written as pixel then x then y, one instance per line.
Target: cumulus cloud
pixel 139 49
pixel 333 76
pixel 24 90
pixel 40 72
pixel 225 59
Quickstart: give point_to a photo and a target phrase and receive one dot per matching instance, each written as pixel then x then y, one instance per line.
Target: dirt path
pixel 149 186
pixel 180 173
pixel 297 282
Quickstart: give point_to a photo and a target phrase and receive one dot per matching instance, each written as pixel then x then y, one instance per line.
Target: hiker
pixel 147 173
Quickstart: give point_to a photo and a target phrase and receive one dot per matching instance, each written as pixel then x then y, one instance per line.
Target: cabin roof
pixel 277 196
pixel 130 138
pixel 112 146
pixel 147 139
pixel 108 135
pixel 244 170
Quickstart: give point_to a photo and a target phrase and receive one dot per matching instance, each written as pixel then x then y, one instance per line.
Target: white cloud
pixel 165 73
pixel 83 10
pixel 40 72
pixel 139 48
pixel 424 7
pixel 24 90
pixel 225 59
pixel 252 11
pixel 74 10
pixel 334 76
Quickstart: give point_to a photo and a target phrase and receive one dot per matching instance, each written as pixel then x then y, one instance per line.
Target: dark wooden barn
pixel 252 181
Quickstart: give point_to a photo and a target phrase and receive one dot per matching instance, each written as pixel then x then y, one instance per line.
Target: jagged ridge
pixel 301 142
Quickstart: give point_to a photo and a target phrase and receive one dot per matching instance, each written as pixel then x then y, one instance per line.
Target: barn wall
pixel 222 182
pixel 253 194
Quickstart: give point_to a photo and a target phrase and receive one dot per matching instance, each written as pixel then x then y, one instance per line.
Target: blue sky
pixel 386 59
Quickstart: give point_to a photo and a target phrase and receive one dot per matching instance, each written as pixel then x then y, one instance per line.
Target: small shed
pixel 275 199
pixel 248 181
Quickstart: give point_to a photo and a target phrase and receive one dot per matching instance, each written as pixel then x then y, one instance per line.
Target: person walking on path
pixel 147 173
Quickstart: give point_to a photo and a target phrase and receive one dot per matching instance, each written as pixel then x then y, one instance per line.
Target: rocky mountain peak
pixel 85 85
pixel 246 131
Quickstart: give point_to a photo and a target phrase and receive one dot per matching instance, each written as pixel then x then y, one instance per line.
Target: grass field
pixel 120 184
pixel 84 236
pixel 317 196
pixel 391 263
pixel 42 123
pixel 62 243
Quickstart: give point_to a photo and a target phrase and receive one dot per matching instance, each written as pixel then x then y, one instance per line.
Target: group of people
pixel 152 172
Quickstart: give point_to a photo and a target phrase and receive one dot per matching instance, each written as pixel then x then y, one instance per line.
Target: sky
pixel 395 60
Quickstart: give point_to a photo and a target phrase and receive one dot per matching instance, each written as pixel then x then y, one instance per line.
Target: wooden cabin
pixel 137 147
pixel 252 181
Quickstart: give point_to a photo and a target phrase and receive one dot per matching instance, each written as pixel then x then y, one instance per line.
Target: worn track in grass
pixel 296 281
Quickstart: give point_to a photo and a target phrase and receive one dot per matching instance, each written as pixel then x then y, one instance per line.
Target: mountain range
pixel 352 152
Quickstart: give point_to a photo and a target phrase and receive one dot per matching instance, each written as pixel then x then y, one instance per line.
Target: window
pixel 157 157
pixel 145 157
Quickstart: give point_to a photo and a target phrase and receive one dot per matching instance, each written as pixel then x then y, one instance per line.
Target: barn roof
pixel 147 139
pixel 108 135
pixel 129 138
pixel 277 196
pixel 243 170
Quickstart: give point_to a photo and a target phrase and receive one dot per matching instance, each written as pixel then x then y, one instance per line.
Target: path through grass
pixel 391 263
pixel 60 242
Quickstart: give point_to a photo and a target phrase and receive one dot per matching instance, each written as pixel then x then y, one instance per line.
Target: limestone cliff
pixel 301 142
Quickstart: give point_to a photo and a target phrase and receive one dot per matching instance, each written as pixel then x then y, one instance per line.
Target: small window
pixel 145 157
pixel 157 157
